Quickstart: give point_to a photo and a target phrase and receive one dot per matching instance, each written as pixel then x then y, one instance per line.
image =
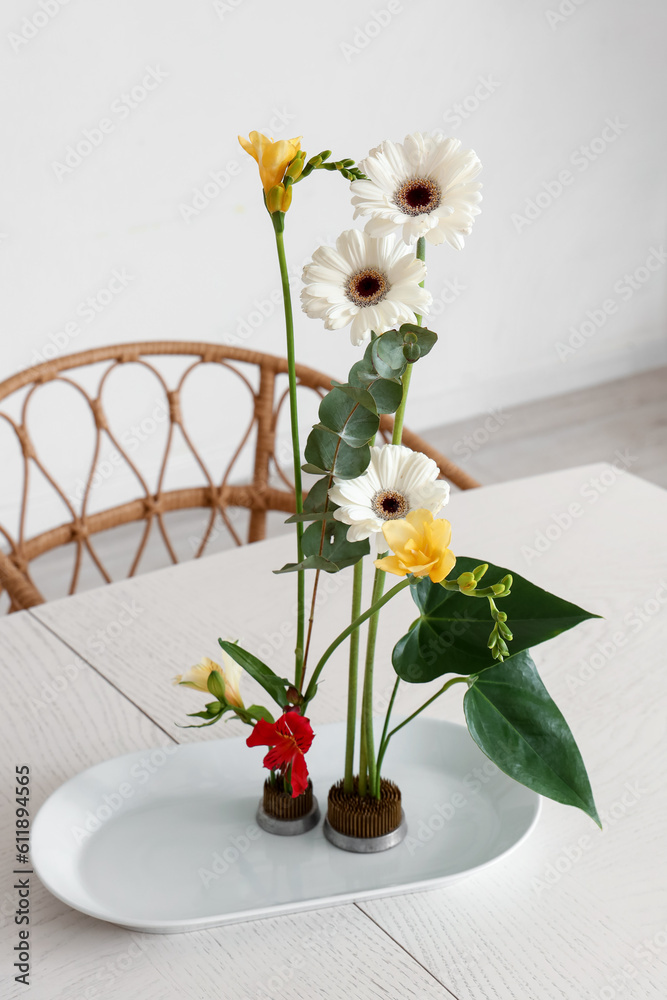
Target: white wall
pixel 527 83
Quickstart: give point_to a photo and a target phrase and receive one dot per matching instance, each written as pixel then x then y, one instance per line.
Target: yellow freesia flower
pixel 197 677
pixel 273 158
pixel 420 543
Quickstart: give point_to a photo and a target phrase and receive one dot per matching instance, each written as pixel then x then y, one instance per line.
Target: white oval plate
pixel 166 840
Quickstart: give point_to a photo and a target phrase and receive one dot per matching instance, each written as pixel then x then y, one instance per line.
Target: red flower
pixel 290 739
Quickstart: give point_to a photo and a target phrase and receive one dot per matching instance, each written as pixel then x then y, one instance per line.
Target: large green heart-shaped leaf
pixel 514 721
pixel 451 634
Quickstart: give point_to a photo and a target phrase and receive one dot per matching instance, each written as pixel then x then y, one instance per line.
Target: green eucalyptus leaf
pixel 389 348
pixel 359 429
pixel 311 562
pixel 361 396
pixel 333 545
pixel 362 373
pixel 452 631
pixel 274 686
pixel 383 367
pixel 315 515
pixel 387 394
pixel 355 422
pixel 514 721
pixel 326 452
pixel 318 495
pixel 426 340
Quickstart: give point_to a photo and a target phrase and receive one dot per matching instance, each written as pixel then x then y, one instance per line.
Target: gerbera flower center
pixel 418 196
pixel 388 504
pixel 367 287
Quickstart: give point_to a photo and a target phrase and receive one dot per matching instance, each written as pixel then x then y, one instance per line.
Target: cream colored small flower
pixel 197 677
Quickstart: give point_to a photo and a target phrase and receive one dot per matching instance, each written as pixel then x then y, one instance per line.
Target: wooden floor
pixel 624 420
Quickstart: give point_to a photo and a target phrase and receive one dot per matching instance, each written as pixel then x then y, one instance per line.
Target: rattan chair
pixel 269 490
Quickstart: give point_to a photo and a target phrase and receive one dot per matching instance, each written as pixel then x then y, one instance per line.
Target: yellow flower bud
pixel 286 199
pixel 295 168
pixel 275 197
pixel 273 158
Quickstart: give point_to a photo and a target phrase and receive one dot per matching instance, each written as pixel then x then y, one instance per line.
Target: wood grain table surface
pixel 574 913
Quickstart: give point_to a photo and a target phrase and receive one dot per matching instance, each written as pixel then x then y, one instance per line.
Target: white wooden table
pixel 574 913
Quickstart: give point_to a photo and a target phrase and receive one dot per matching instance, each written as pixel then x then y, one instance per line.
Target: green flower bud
pixel 295 169
pixel 479 571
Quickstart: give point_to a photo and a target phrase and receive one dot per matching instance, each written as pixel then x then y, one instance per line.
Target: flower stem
pixel 367 704
pixel 387 717
pixel 363 764
pixel 332 647
pixel 278 220
pixel 397 435
pixel 348 784
pixel 311 620
pixel 367 698
pixel 385 739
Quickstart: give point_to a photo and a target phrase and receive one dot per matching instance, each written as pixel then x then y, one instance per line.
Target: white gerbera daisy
pixel 423 186
pixel 397 481
pixel 371 284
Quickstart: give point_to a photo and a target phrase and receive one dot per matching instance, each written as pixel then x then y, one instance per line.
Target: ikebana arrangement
pixel 422 191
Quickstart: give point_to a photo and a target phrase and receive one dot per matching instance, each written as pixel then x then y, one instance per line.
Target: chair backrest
pixel 269 488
